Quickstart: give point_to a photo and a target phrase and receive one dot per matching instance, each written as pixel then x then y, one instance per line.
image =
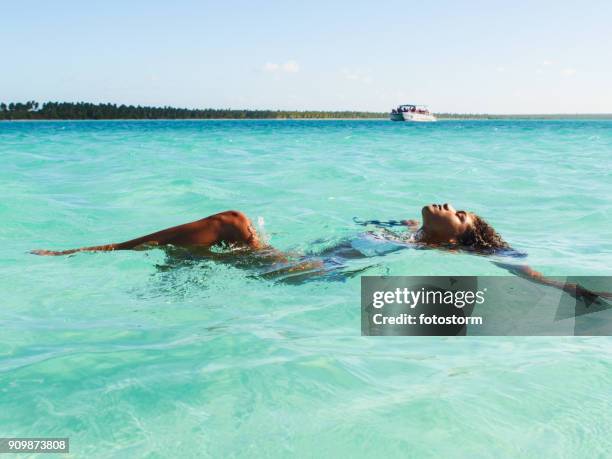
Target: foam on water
pixel 138 352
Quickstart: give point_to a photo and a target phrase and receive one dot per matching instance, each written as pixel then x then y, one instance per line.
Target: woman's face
pixel 442 223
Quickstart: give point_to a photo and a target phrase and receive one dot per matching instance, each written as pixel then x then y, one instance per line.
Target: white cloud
pixel 547 62
pixel 355 75
pixel 291 67
pixel 287 67
pixel 350 75
pixel 568 71
pixel 501 69
pixel 270 67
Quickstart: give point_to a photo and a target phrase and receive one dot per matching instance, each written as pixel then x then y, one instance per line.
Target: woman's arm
pixel 576 290
pixel 411 224
pixel 230 227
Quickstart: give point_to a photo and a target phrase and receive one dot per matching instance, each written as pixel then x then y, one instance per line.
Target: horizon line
pixel 309 110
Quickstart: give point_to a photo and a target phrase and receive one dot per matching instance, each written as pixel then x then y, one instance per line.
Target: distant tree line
pixel 544 116
pixel 32 110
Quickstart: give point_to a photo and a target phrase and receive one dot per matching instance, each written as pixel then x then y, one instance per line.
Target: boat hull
pixel 412 117
pixel 418 117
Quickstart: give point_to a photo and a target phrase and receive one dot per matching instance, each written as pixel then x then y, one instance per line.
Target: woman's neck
pixel 426 237
pixel 419 235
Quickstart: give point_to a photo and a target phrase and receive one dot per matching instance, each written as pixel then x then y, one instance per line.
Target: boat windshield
pixel 412 108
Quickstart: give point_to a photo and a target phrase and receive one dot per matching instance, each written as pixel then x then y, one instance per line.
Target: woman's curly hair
pixel 482 237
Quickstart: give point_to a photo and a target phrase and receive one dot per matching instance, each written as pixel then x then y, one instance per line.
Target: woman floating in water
pixel 443 227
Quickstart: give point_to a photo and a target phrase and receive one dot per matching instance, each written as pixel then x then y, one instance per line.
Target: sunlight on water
pixel 140 352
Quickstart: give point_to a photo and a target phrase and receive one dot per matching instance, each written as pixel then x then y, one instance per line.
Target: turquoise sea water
pixel 131 355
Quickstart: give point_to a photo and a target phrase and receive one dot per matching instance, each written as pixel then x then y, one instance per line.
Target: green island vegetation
pixel 32 110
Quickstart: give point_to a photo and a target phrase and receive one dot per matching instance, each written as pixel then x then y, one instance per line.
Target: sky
pixel 463 57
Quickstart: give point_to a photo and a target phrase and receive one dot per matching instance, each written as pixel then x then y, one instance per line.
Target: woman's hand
pixel 580 293
pixel 412 224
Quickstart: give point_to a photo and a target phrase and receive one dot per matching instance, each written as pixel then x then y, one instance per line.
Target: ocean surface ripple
pixel 130 353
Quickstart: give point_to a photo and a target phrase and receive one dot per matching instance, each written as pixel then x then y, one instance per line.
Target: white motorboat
pixel 410 112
